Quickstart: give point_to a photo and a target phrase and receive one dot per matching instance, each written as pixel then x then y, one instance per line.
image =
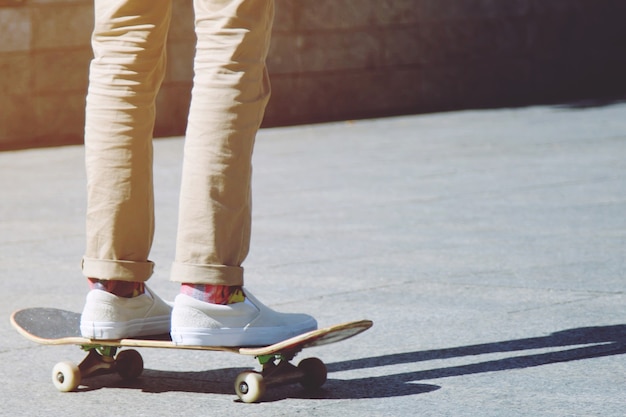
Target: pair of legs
pixel 230 92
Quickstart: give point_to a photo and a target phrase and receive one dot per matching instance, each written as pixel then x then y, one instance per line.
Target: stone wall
pixel 332 60
pixel 44 54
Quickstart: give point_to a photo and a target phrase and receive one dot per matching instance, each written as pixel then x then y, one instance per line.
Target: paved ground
pixel 487 246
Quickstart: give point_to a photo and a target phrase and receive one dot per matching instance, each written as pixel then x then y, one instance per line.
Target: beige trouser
pixel 229 95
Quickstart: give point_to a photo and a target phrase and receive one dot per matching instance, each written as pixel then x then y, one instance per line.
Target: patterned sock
pixel 214 294
pixel 126 289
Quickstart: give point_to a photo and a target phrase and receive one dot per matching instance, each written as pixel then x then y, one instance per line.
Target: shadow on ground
pixel 565 346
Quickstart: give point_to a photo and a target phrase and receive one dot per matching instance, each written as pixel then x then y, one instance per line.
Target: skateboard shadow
pixel 564 346
pixel 214 381
pixel 220 381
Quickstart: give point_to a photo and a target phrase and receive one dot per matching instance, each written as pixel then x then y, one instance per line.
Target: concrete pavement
pixel 487 246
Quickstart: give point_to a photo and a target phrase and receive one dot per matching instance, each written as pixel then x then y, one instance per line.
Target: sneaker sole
pixel 251 336
pixel 125 330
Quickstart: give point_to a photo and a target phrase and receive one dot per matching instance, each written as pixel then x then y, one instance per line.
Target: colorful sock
pixel 126 289
pixel 214 294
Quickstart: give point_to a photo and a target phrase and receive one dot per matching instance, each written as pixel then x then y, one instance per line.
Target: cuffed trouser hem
pixel 207 274
pixel 118 270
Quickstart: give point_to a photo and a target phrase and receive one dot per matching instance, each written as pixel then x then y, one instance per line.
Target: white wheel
pixel 249 386
pixel 314 373
pixel 66 376
pixel 129 364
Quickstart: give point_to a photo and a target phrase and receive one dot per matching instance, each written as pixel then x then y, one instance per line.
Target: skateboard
pixel 50 326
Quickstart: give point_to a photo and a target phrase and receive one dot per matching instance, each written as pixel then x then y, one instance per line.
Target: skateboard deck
pixel 50 326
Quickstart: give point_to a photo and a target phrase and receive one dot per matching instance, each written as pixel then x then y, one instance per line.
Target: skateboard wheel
pixel 66 376
pixel 129 364
pixel 314 372
pixel 249 386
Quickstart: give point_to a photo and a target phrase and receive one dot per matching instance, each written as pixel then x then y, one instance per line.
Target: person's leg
pixel 230 92
pixel 125 75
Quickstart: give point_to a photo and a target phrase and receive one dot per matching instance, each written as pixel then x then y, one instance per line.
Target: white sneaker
pixel 107 316
pixel 248 323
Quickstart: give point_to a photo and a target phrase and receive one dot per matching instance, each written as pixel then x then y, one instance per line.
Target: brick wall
pixel 332 60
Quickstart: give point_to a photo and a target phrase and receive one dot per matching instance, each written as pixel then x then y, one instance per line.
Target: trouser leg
pixel 125 75
pixel 230 92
